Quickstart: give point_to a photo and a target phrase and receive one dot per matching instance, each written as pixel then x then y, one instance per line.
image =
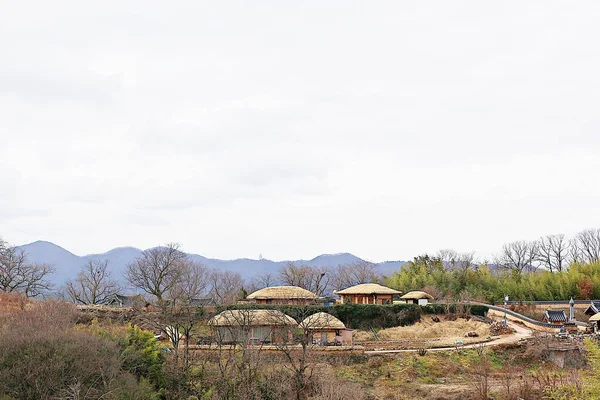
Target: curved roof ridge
pixel 282 292
pixel 368 288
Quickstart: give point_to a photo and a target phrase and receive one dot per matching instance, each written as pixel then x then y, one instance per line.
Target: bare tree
pixel 481 372
pixel 298 349
pixel 93 284
pixel 455 261
pixel 588 243
pixel 355 274
pixel 176 319
pixel 261 281
pixel 18 275
pixel 264 280
pixel 448 257
pixel 239 362
pixel 226 286
pixel 194 282
pixel 553 252
pixel 519 256
pixel 314 279
pixel 158 270
pixel 575 255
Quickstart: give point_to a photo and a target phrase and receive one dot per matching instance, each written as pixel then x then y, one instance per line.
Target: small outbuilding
pixel 416 297
pixel 325 329
pixel 119 300
pixel 368 293
pixel 593 308
pixel 253 326
pixel 594 321
pixel 283 295
pixel 557 317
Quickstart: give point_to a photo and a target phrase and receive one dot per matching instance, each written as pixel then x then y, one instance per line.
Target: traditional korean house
pixel 368 293
pixel 253 326
pixel 557 317
pixel 416 297
pixel 593 308
pixel 202 302
pixel 325 329
pixel 119 300
pixel 283 295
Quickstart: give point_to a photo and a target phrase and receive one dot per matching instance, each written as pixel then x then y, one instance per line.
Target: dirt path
pixel 520 333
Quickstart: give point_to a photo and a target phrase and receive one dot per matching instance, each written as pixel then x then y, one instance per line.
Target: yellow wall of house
pixel 367 298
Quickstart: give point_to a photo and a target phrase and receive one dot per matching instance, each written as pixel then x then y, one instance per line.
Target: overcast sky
pixel 290 129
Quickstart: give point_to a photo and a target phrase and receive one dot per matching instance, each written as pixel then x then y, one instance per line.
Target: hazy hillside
pixel 68 264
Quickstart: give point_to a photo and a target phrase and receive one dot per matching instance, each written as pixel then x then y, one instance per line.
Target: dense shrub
pixel 43 356
pixel 366 316
pixel 479 310
pixel 356 316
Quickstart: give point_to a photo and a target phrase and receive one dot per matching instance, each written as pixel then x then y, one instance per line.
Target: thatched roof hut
pixel 368 288
pixel 368 293
pixel 594 318
pixel 282 295
pixel 594 321
pixel 251 318
pixel 321 321
pixel 282 292
pixel 417 295
pixel 325 329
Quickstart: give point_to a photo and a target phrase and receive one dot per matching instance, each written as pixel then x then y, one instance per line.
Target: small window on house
pixel 269 301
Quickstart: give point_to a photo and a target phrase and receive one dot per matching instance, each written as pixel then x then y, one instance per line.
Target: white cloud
pixel 387 129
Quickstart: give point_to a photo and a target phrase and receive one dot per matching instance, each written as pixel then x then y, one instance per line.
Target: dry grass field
pixel 428 333
pixel 428 329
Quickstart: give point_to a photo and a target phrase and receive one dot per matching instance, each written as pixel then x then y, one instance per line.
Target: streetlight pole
pixel 505 305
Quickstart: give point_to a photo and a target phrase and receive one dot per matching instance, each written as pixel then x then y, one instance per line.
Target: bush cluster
pixel 365 316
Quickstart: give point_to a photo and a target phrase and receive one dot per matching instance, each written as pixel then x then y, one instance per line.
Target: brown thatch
pixel 416 295
pixel 321 321
pixel 282 292
pixel 251 318
pixel 368 288
pixel 595 317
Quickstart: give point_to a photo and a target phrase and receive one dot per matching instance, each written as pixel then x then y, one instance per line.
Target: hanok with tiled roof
pixel 593 308
pixel 555 317
pixel 283 295
pixel 119 300
pixel 368 293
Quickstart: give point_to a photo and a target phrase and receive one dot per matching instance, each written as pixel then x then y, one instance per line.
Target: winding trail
pixel 520 333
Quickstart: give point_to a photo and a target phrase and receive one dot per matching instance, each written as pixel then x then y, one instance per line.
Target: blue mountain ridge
pixel 67 264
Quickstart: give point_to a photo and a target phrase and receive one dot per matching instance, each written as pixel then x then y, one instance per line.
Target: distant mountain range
pixel 67 264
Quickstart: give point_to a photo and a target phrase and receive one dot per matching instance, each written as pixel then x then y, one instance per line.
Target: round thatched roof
pixel 368 288
pixel 251 318
pixel 282 292
pixel 416 295
pixel 322 320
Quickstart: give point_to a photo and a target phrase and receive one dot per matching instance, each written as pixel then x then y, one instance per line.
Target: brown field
pixel 427 329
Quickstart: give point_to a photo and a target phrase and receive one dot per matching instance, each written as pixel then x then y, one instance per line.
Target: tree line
pixel 551 267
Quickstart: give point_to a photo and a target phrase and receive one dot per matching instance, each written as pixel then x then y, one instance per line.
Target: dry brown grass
pixel 13 302
pixel 427 329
